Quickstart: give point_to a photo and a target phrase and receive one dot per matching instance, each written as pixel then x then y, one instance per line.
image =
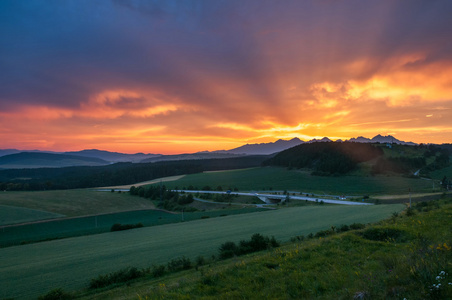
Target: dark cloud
pixel 235 62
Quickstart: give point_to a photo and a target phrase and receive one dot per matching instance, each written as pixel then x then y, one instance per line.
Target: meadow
pixel 404 257
pixel 71 227
pixel 75 203
pixel 33 269
pixel 14 215
pixel 273 178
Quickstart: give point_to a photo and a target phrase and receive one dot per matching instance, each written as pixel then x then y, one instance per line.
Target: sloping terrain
pixel 46 160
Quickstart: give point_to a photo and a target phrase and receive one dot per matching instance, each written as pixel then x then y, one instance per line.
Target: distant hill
pixel 4 152
pixel 192 156
pixel 281 145
pixel 113 156
pixel 264 148
pixel 46 160
pixel 380 139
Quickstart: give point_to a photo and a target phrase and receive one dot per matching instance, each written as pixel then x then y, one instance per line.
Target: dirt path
pixel 128 186
pixel 403 196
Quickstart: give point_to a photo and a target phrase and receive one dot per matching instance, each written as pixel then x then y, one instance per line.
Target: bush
pixel 323 233
pixel 383 234
pixel 158 271
pixel 178 264
pixel 356 226
pixel 121 276
pixel 258 242
pixel 200 261
pixel 56 294
pixel 228 250
pixel 344 228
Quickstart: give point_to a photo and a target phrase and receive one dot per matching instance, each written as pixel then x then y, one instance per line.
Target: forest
pixel 115 174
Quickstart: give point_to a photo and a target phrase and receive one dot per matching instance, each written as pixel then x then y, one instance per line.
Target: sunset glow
pixel 185 76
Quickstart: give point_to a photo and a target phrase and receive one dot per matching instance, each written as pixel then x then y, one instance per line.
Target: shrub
pixel 178 264
pixel 344 228
pixel 158 271
pixel 200 261
pixel 383 234
pixel 258 242
pixel 323 233
pixel 121 276
pixel 56 294
pixel 228 250
pixel 410 212
pixel 356 226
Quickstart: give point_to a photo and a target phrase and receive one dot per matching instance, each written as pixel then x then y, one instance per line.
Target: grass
pixel 282 179
pixel 14 215
pixel 409 263
pixel 72 227
pixel 439 174
pixel 30 270
pixel 74 203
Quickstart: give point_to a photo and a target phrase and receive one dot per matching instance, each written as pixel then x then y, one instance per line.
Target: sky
pixel 185 76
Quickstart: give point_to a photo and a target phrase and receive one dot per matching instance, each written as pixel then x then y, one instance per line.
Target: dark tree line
pixel 168 199
pixel 406 165
pixel 326 158
pixel 115 174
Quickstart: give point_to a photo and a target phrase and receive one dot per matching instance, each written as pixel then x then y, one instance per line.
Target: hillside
pixel 112 156
pixel 327 157
pixel 46 160
pixel 337 158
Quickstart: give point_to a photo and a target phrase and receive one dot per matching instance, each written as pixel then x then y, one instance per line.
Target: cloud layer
pixel 184 76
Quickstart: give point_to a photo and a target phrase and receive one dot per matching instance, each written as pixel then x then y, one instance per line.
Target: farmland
pixel 76 245
pixel 70 263
pixel 405 257
pixel 272 178
pixel 71 227
pixel 73 203
pixel 12 215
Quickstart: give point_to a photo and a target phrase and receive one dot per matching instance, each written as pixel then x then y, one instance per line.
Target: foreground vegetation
pixel 31 270
pixel 406 256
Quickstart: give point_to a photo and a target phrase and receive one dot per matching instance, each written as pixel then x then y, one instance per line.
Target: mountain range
pixel 13 158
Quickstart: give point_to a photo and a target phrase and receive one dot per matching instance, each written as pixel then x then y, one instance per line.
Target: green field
pixel 405 257
pixel 14 215
pixel 71 227
pixel 439 174
pixel 259 179
pixel 74 203
pixel 30 270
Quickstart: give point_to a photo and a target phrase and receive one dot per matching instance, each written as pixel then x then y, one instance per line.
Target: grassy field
pixel 14 215
pixel 439 174
pixel 404 257
pixel 30 270
pixel 259 179
pixel 71 227
pixel 74 203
